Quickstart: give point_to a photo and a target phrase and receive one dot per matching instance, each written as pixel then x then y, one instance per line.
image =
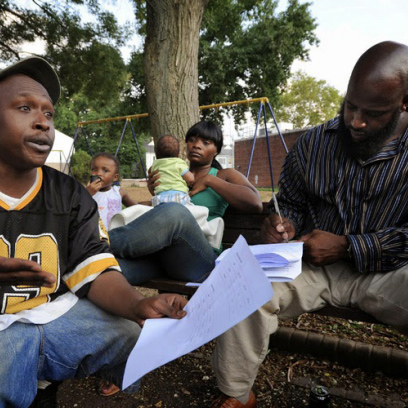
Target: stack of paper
pixel 280 262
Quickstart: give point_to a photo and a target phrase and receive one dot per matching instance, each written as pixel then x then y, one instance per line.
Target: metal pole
pixel 254 141
pixel 138 150
pixel 121 137
pixel 269 149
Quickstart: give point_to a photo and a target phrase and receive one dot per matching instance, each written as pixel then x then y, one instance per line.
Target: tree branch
pixel 46 11
pixel 25 21
pixel 16 54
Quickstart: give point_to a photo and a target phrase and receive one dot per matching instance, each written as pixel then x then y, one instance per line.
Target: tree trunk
pixel 171 64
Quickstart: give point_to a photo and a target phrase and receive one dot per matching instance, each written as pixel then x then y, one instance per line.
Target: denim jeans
pixel 164 242
pixel 84 341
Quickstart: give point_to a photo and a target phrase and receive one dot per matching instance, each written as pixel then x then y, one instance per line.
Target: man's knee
pixel 19 364
pixel 383 295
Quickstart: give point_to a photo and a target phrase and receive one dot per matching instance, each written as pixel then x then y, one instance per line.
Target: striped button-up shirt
pixel 320 187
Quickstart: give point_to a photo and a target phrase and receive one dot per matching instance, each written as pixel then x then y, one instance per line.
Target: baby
pixel 175 176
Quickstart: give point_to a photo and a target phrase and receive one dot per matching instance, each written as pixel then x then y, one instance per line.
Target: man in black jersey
pixel 66 310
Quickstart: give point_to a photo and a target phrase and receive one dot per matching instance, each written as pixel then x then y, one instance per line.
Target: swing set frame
pixel 262 111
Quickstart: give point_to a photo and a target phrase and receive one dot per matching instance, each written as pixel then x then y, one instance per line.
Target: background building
pixel 259 174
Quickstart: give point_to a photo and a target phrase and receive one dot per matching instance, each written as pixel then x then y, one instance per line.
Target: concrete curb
pixel 349 353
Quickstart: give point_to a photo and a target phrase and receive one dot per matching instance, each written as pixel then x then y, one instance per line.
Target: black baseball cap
pixel 38 69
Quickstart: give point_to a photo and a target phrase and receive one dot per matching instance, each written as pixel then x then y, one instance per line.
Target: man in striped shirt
pixel 343 191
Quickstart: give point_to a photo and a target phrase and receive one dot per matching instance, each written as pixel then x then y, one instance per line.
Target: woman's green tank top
pixel 209 198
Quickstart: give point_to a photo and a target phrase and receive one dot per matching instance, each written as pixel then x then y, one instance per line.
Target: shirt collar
pixel 28 196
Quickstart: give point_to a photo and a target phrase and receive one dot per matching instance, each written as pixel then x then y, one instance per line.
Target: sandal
pixel 107 388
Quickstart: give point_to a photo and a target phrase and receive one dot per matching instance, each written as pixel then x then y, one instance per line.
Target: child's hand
pixel 94 186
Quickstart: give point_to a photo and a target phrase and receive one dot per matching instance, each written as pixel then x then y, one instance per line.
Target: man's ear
pixel 116 177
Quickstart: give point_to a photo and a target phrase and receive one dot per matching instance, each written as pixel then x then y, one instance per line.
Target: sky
pixel 347 28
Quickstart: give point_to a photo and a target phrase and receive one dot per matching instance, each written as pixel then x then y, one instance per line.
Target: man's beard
pixel 374 141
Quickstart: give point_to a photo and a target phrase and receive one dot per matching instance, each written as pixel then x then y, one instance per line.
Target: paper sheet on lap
pixel 236 288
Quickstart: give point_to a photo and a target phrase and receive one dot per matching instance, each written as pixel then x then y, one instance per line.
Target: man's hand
pixel 94 186
pixel 14 271
pixel 153 180
pixel 274 231
pixel 113 293
pixel 324 248
pixel 164 305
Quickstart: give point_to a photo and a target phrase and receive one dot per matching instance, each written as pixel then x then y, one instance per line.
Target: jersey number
pixel 42 249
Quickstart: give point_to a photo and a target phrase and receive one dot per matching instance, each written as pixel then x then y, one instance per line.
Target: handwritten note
pixel 234 290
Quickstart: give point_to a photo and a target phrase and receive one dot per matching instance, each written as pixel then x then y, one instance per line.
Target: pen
pixel 275 203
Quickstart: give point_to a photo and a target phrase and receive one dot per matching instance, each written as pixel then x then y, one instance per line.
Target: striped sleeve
pixel 384 250
pixel 89 270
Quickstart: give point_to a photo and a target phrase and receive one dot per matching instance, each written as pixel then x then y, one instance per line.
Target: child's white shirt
pixel 109 203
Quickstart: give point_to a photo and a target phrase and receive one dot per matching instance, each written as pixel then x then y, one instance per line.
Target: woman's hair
pixel 210 131
pixel 108 156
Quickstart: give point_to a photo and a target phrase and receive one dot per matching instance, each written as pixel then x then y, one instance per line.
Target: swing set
pixel 262 111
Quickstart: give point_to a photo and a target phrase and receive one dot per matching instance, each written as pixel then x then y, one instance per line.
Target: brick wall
pixel 260 174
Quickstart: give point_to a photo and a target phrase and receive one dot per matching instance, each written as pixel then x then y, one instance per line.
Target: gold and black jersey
pixel 57 226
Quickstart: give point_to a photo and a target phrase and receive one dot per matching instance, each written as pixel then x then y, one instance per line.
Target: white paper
pixel 280 262
pixel 285 273
pixel 273 254
pixel 236 288
pixel 291 251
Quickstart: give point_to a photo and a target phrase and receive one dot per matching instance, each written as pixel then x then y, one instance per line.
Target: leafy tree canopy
pixel 105 136
pixel 308 101
pixel 84 53
pixel 94 77
pixel 246 49
pixel 80 166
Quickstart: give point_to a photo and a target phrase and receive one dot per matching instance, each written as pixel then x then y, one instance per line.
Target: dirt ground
pixel 284 379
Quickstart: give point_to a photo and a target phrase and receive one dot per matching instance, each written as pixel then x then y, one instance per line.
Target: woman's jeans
pixel 164 242
pixel 83 342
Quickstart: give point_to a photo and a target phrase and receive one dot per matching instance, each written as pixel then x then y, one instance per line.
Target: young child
pixel 175 176
pixel 105 167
